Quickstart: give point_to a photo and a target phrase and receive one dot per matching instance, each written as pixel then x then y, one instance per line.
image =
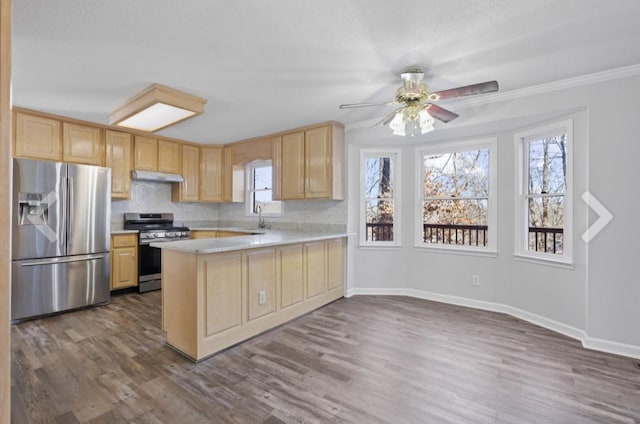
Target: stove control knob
pixel 153 235
pixel 171 234
pixel 143 235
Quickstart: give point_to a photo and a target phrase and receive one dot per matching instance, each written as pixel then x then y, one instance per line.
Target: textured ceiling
pixel 266 66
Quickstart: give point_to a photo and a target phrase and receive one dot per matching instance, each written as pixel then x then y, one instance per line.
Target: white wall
pixel 599 297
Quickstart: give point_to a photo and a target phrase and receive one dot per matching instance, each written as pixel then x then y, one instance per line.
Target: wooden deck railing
pixel 540 239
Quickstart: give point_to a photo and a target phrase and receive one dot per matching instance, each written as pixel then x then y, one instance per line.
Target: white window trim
pixel 248 170
pixel 521 219
pixel 395 155
pixel 492 218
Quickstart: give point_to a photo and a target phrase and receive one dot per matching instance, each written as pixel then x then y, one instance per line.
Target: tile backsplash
pixel 148 196
pixel 307 215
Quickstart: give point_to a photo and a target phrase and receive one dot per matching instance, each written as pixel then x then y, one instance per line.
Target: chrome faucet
pixel 261 223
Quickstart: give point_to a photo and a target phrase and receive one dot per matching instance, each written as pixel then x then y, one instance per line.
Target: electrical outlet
pixel 475 280
pixel 262 297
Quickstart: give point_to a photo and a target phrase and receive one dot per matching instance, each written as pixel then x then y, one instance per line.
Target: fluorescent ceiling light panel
pixel 157 107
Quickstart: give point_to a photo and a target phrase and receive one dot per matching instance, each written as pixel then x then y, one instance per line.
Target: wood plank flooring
pixel 367 359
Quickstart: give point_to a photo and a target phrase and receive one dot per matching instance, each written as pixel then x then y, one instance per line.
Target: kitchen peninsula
pixel 220 291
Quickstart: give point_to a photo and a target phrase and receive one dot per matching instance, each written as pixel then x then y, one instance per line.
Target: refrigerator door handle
pixel 62 260
pixel 71 208
pixel 62 198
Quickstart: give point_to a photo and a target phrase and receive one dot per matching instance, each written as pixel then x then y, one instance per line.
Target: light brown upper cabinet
pixel 169 157
pixel 227 174
pixel 82 144
pixel 189 189
pixel 309 164
pixel 211 184
pixel 37 137
pixel 145 153
pixel 293 167
pixel 118 158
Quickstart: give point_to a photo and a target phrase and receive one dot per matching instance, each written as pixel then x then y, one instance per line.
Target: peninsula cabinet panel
pixel 336 255
pixel 169 154
pixel 82 144
pixel 292 163
pixel 211 184
pixel 189 189
pixel 118 158
pixel 261 282
pixel 291 275
pixel 211 301
pixel 315 268
pixel 223 294
pixel 145 156
pixel 37 137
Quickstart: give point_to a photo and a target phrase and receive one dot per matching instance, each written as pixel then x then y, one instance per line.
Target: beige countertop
pixel 226 244
pixel 116 232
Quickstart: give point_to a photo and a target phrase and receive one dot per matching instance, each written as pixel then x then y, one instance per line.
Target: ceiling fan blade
pixel 385 121
pixel 355 105
pixel 468 90
pixel 440 113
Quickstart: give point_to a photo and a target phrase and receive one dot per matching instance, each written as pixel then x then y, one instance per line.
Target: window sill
pixel 458 251
pixel 380 246
pixel 556 263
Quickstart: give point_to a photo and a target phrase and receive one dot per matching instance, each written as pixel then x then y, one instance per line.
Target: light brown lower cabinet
pixel 213 301
pixel 124 261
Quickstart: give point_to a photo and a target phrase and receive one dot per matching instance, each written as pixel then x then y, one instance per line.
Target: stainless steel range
pixel 153 228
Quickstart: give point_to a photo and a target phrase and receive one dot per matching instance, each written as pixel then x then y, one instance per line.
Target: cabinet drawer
pixel 124 240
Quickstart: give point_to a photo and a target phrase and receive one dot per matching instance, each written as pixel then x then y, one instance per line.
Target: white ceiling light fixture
pixel 157 107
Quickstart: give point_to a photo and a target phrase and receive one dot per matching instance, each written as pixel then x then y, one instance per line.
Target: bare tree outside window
pixel 456 198
pixel 379 198
pixel 546 190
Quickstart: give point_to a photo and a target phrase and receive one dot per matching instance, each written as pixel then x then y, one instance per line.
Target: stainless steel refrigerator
pixel 61 237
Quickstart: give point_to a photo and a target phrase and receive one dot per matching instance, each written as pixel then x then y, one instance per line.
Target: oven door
pixel 150 266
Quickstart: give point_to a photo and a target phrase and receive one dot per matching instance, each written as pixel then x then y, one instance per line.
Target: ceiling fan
pixel 418 109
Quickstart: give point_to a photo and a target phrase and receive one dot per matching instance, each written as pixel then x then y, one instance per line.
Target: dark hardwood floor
pixel 367 359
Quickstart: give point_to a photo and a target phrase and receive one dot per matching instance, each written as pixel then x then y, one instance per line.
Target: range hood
pixel 156 176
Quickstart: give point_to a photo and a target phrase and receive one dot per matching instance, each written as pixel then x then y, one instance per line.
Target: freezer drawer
pixel 44 286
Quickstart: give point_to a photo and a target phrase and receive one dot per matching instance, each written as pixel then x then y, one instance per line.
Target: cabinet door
pixel 318 166
pixel 124 267
pixel 169 157
pixel 145 156
pixel 227 174
pixel 119 160
pixel 37 137
pixel 189 189
pixel 82 144
pixel 335 263
pixel 211 174
pixel 292 169
pixel 291 275
pixel 261 282
pixel 276 167
pixel 315 268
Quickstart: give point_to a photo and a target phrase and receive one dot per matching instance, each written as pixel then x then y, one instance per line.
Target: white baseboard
pixel 567 330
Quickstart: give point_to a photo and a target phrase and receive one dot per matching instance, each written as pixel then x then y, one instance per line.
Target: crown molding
pixel 609 75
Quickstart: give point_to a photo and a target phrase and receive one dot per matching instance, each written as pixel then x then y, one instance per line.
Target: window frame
pixel 250 189
pixel 396 156
pixel 521 232
pixel 489 143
